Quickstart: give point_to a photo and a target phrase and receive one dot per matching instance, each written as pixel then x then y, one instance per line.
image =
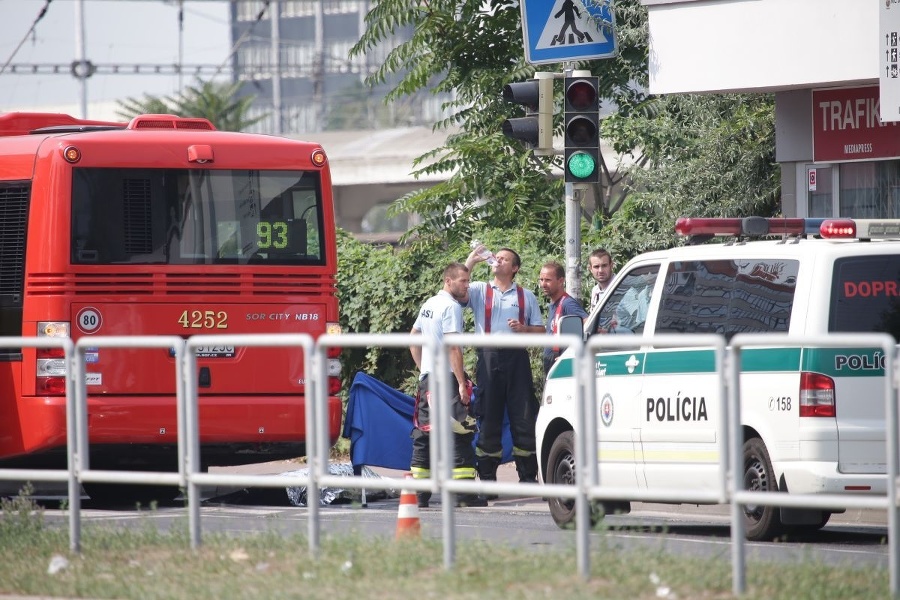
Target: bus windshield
pixel 196 217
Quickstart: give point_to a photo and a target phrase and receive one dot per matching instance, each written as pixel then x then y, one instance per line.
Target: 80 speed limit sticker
pixel 89 319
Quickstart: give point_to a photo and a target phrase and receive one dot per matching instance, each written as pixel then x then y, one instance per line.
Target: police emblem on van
pixel 606 409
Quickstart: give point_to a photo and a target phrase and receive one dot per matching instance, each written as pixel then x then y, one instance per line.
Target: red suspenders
pixel 489 305
pixel 559 308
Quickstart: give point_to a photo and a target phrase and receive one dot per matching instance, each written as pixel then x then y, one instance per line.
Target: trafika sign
pixel 847 125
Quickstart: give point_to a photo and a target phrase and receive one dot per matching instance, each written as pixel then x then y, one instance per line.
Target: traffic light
pixel 536 127
pixel 582 130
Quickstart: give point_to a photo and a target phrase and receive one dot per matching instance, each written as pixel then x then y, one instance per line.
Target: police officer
pixel 441 314
pixel 504 374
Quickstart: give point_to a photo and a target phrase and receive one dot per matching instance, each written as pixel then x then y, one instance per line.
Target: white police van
pixel 812 418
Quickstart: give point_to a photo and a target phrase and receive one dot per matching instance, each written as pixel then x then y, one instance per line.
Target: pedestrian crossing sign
pixel 563 30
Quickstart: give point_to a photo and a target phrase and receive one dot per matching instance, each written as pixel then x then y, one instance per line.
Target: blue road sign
pixel 562 30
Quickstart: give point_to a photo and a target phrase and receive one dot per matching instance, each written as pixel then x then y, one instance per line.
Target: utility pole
pixel 319 67
pixel 180 43
pixel 275 16
pixel 80 67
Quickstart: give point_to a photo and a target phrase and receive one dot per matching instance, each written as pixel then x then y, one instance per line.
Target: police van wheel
pixel 760 522
pixel 561 470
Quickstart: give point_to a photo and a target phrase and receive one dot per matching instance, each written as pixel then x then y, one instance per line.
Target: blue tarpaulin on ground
pixel 379 422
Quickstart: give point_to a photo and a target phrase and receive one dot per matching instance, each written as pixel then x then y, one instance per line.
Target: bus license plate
pixel 215 352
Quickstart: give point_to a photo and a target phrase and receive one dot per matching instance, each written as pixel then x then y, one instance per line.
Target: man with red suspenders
pixel 503 375
pixel 553 283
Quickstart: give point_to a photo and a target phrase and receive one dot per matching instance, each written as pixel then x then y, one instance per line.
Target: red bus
pixel 161 226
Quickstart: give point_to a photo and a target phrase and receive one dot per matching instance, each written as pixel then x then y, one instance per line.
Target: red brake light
pixel 51 353
pixel 50 386
pixel 334 386
pixel 816 395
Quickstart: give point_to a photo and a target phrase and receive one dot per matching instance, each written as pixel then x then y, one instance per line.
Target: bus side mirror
pixel 571 325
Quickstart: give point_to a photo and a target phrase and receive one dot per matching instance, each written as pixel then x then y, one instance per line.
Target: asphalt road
pixel 856 537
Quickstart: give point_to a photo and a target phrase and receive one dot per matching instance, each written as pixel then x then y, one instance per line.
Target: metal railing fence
pixel 588 486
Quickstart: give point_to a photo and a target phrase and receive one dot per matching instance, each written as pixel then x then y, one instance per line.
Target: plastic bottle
pixel 485 253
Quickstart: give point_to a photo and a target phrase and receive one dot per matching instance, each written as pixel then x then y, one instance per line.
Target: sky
pixel 115 32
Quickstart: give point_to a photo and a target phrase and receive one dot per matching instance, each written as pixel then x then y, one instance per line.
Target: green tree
pixel 148 105
pixel 215 101
pixel 703 155
pixel 474 49
pixel 691 154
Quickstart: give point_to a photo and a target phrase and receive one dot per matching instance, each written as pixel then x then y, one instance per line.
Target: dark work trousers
pixel 463 443
pixel 550 357
pixel 503 376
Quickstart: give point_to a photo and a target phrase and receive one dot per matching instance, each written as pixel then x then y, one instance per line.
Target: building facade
pixel 293 57
pixel 822 59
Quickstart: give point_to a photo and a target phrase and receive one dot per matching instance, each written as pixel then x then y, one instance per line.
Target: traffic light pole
pixel 573 241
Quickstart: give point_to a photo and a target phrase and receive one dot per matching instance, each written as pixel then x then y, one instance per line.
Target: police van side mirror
pixel 571 325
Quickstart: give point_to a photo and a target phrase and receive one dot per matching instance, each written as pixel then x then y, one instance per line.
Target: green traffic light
pixel 581 165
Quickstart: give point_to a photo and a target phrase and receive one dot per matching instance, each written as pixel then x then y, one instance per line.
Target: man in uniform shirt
pixel 504 374
pixel 553 284
pixel 441 314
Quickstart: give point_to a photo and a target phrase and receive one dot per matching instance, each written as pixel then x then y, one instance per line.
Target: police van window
pixel 728 296
pixel 625 308
pixel 865 295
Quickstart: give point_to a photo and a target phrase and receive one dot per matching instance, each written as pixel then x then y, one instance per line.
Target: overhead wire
pixel 28 33
pixel 243 38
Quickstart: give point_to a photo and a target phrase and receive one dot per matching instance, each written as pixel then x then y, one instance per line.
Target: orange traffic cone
pixel 408 514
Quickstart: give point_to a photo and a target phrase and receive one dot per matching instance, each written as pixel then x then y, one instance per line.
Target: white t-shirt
pixel 439 315
pixel 596 295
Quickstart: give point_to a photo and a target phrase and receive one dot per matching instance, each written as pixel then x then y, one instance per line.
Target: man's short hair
pixel 452 270
pixel 556 268
pixel 517 260
pixel 600 253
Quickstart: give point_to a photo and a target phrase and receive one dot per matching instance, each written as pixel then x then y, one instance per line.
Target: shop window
pixel 870 190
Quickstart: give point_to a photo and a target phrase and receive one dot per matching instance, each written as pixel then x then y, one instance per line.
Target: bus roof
pixel 23 123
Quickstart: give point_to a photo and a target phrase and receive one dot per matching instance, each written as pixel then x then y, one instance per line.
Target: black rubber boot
pixel 527 468
pixel 475 500
pixel 422 499
pixel 487 471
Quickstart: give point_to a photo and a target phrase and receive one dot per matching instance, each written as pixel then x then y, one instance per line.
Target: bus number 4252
pixel 204 319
